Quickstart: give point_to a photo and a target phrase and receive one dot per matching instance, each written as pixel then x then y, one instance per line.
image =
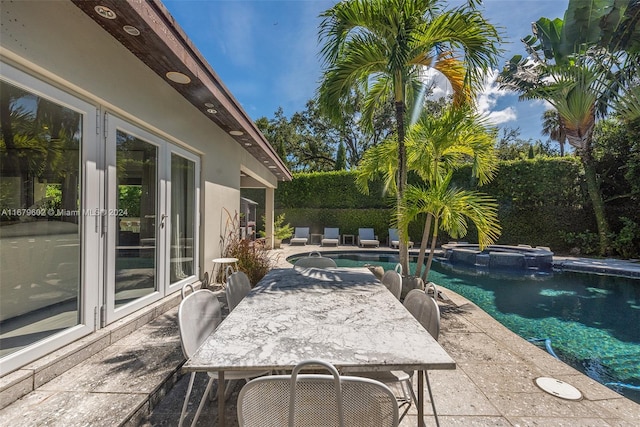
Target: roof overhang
pixel 164 47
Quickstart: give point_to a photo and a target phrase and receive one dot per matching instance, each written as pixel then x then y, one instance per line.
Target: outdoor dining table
pixel 344 316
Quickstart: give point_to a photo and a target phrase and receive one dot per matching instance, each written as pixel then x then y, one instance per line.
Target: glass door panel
pixel 136 218
pixel 40 240
pixel 183 214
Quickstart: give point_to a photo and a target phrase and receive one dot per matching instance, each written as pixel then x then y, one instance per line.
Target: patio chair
pixel 393 281
pixel 366 237
pixel 199 315
pixel 426 311
pixel 394 239
pixel 238 286
pixel 300 236
pixel 331 236
pixel 314 259
pixel 316 400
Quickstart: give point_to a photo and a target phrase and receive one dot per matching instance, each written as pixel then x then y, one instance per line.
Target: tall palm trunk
pixel 432 250
pixel 582 140
pixel 403 248
pixel 593 188
pixel 423 244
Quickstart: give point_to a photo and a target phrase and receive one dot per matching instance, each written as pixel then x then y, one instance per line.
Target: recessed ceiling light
pixel 209 105
pixel 265 161
pixel 212 111
pixel 236 132
pixel 248 144
pixel 174 76
pixel 131 30
pixel 105 12
pixel 272 167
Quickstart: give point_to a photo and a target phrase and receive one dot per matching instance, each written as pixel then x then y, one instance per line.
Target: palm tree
pixel 582 66
pixel 451 209
pixel 440 145
pixel 436 146
pixel 552 126
pixel 383 47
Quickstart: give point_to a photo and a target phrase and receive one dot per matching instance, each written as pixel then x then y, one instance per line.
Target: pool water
pixel 591 320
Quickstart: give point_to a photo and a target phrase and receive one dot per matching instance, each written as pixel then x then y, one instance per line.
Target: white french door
pixel 98 217
pixel 151 218
pixel 183 194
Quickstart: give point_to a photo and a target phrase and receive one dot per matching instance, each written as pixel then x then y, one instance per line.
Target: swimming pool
pixel 592 321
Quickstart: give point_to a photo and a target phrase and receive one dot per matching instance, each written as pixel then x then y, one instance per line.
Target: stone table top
pixel 344 316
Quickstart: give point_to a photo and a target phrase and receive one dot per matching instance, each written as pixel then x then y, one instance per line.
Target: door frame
pixel 110 216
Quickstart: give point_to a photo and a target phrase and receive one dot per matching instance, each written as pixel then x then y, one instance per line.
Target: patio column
pixel 269 215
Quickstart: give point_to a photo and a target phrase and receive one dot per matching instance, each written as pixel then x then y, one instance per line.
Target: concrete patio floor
pixel 136 379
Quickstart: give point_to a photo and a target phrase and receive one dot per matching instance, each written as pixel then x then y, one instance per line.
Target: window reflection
pixel 136 164
pixel 40 214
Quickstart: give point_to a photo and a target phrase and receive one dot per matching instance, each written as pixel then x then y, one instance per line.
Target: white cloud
pixel 486 102
pixel 488 99
pixel 440 86
pixel 502 116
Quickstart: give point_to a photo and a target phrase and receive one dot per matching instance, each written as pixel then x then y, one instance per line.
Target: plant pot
pixel 410 283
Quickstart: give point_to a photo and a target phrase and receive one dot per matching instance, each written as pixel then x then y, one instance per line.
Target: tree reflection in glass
pixel 40 218
pixel 136 164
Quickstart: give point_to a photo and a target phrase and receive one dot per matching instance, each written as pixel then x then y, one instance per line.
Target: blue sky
pixel 266 51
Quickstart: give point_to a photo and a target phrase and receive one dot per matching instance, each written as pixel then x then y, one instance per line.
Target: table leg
pixel 221 393
pixel 420 398
pixel 214 278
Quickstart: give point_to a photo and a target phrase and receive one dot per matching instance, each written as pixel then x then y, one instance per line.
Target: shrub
pixel 587 242
pixel 253 257
pixel 626 242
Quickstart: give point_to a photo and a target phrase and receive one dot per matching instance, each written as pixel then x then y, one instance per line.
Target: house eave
pixel 164 47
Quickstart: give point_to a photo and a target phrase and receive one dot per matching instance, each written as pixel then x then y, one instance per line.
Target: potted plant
pixel 281 230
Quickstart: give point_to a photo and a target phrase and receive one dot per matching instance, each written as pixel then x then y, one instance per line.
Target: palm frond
pixel 380 160
pixel 628 106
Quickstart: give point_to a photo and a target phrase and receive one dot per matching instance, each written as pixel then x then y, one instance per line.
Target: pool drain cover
pixel 558 388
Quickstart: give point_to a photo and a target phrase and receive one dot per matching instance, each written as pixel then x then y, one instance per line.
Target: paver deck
pixel 131 382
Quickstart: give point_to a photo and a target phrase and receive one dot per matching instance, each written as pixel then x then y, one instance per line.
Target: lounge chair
pixel 300 236
pixel 394 240
pixel 366 237
pixel 331 236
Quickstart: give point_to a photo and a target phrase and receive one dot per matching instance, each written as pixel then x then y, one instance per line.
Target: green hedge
pixel 539 182
pixel 539 200
pixel 335 190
